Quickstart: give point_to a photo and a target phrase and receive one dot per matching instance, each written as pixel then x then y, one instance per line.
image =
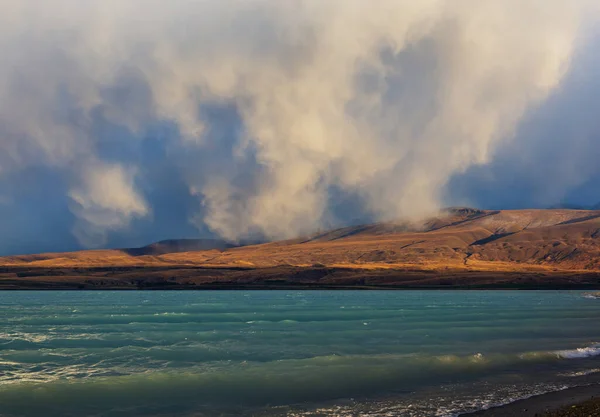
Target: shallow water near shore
pixel 271 353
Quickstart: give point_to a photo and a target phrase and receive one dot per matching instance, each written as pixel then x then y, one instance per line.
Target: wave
pixel 594 296
pixel 196 355
pixel 171 314
pixel 579 353
pixel 584 372
pixel 396 367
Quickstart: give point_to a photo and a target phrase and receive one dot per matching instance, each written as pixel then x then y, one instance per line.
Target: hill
pixel 179 245
pixel 513 245
pixel 145 255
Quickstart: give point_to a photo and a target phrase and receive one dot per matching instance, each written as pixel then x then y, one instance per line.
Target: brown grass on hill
pixel 511 240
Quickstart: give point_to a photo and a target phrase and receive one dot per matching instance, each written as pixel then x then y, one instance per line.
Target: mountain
pixel 462 243
pixel 179 245
pixel 145 255
pixel 511 239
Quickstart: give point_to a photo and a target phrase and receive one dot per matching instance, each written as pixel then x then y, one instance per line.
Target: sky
pixel 124 122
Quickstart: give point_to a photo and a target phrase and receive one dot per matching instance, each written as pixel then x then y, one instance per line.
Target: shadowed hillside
pixel 179 245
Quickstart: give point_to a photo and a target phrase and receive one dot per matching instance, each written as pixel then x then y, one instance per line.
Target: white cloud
pixel 104 200
pixel 386 100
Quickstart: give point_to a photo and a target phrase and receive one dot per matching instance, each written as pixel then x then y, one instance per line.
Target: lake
pixel 289 353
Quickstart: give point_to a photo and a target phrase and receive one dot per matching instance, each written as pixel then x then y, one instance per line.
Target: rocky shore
pixel 581 401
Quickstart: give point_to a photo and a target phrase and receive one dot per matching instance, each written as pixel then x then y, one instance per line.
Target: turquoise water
pixel 312 353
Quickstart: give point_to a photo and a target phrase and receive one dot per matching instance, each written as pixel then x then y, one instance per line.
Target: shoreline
pixel 577 401
pixel 293 288
pixel 287 278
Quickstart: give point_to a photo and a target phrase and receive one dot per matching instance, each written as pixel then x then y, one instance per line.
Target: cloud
pixel 272 105
pixel 104 200
pixel 553 156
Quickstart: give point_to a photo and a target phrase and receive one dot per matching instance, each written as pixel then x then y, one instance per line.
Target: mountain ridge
pixel 461 242
pixel 490 235
pixel 163 247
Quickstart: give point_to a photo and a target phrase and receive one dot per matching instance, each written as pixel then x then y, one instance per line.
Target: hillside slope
pixel 146 255
pixel 513 240
pixel 460 238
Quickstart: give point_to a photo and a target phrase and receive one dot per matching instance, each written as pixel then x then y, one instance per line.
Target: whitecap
pixel 593 296
pixel 586 352
pixel 581 373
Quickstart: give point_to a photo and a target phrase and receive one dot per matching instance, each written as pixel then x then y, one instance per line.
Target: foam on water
pixel 583 352
pixel 583 372
pixel 592 296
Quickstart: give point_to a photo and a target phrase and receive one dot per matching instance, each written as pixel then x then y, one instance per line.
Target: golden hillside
pixel 461 238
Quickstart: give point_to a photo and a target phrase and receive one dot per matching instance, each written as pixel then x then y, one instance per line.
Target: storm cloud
pixel 270 119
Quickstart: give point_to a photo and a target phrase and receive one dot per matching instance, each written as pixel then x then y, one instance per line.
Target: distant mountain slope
pixel 142 256
pixel 511 239
pixel 459 238
pixel 179 245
